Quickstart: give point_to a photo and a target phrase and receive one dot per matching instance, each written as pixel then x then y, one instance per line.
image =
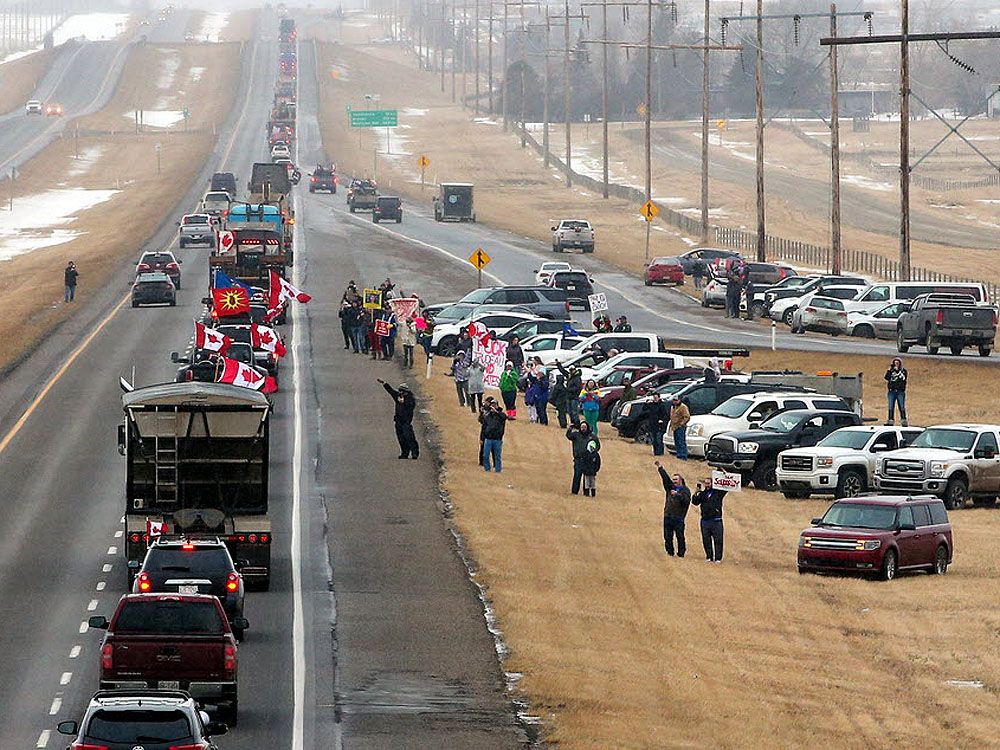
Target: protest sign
pixel 598 302
pixel 492 353
pixel 404 307
pixel 723 480
pixel 373 299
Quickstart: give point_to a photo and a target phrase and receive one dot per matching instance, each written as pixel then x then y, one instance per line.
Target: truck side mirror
pixel 175 357
pixel 241 623
pixel 121 439
pixel 98 622
pixel 553 229
pixel 816 521
pixel 67 727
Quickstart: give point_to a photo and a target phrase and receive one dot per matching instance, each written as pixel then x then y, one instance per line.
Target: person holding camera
pixel 710 500
pixel 494 422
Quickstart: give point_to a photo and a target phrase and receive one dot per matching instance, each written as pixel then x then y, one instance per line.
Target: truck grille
pixel 898 468
pixel 797 463
pixel 720 448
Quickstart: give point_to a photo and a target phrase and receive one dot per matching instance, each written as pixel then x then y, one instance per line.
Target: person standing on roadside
pixel 408 340
pixel 580 436
pixel 680 415
pixel 895 381
pixel 590 464
pixel 659 417
pixel 515 354
pixel 346 314
pixel 573 384
pixel 477 385
pixel 70 275
pixel 699 271
pixel 460 371
pixel 710 500
pixel 406 404
pixel 628 391
pixel 675 508
pixel 357 315
pixel 733 278
pixel 494 423
pixel 590 404
pixel 508 389
pixel 538 388
pixel 557 397
pixel 623 326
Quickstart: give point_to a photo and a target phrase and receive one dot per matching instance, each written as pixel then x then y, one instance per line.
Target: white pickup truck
pixel 573 234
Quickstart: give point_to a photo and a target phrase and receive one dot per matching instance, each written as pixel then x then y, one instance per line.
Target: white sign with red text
pixel 492 353
pixel 723 480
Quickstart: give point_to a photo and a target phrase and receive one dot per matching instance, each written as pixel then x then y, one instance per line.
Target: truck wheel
pixel 764 476
pixel 864 331
pixel 955 493
pixel 850 483
pixel 312 189
pixel 352 209
pixel 704 302
pixel 644 433
pixel 889 565
pixel 984 351
pixel 901 346
pixel 334 190
pixel 757 310
pixel 134 303
pixel 940 560
pixel 956 349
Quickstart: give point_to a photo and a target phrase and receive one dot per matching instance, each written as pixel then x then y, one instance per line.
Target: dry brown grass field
pixel 19 78
pixel 31 284
pixel 621 646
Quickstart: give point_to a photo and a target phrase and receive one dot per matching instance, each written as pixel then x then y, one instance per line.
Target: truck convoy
pixel 196 462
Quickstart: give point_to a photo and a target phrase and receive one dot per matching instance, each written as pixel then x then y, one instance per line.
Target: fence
pixel 814 256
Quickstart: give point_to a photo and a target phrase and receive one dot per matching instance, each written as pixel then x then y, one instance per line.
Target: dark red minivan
pixel 880 536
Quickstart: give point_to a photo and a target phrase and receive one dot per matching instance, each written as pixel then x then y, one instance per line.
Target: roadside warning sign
pixel 649 210
pixel 423 162
pixel 480 259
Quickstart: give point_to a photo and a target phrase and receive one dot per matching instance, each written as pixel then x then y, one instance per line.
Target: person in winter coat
pixel 494 422
pixel 659 417
pixel 590 404
pixel 628 391
pixel 346 315
pixel 515 354
pixel 460 371
pixel 537 393
pixel 408 340
pixel 699 271
pixel 359 333
pixel 477 386
pixel 558 398
pixel 70 275
pixel 580 436
pixel 710 501
pixel 406 404
pixel 374 340
pixel 590 464
pixel 623 326
pixel 508 389
pixel 680 415
pixel 387 342
pixel 895 381
pixel 573 385
pixel 602 324
pixel 675 508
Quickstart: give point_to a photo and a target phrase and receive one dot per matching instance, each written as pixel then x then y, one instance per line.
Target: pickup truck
pixel 362 195
pixel 954 462
pixel 573 233
pixel 171 642
pixel 952 320
pixel 323 178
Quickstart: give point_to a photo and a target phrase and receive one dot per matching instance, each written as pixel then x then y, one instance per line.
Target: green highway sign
pixel 373 118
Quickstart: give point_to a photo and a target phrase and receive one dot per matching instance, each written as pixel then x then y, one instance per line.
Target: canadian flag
pixel 245 376
pixel 262 337
pixel 281 289
pixel 155 529
pixel 210 339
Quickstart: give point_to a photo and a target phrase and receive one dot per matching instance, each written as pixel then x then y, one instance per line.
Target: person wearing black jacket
pixel 710 502
pixel 494 423
pixel 675 508
pixel 658 415
pixel 346 315
pixel 895 381
pixel 406 404
pixel 573 385
pixel 581 437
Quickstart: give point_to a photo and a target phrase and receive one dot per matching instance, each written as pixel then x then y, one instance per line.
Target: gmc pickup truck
pixel 172 642
pixel 573 233
pixel 953 320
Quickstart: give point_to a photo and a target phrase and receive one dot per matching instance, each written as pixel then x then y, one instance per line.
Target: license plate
pixel 169 685
pixel 187 589
pixel 965 332
pixel 570 288
pixel 194 237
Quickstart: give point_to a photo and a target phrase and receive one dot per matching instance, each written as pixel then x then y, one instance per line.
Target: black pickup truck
pixel 956 321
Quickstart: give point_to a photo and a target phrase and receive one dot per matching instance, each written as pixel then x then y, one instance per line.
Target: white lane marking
pixel 107 567
pixel 43 738
pixel 92 605
pixel 100 585
pixel 118 534
pixel 56 705
pixel 66 677
pixel 74 652
pixel 112 550
pixel 84 627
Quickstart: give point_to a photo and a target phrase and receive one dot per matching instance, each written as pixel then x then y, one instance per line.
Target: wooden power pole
pixel 759 92
pixel 904 141
pixel 835 247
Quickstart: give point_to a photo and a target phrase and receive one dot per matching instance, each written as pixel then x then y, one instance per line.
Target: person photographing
pixel 710 500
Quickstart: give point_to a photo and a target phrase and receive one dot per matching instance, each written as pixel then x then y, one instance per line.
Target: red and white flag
pixel 155 529
pixel 245 376
pixel 226 242
pixel 209 339
pixel 281 289
pixel 262 337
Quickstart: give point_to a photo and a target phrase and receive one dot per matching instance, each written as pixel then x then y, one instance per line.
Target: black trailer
pixel 454 202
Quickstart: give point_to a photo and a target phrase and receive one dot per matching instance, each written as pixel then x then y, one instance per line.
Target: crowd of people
pixel 738 286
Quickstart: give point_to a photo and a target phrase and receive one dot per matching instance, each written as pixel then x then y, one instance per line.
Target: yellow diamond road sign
pixel 641 109
pixel 423 162
pixel 479 259
pixel 649 210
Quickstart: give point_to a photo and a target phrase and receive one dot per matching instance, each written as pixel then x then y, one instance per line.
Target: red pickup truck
pixel 172 642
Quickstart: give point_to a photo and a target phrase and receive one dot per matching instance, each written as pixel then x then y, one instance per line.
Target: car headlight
pixel 626 410
pixel 938 468
pixel 824 461
pixel 804 541
pixel 747 448
pixel 869 544
pixel 696 430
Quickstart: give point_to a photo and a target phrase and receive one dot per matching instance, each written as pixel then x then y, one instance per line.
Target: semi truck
pixel 261 234
pixel 196 462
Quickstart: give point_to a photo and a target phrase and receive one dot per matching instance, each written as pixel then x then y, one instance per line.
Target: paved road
pixel 861 209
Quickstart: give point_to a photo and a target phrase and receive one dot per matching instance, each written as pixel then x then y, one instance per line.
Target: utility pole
pixel 489 47
pixel 454 38
pixel 476 106
pixel 835 247
pixel 568 105
pixel 705 107
pixel 759 94
pixel 465 42
pixel 649 106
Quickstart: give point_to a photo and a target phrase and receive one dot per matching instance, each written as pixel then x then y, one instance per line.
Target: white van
pixel 877 296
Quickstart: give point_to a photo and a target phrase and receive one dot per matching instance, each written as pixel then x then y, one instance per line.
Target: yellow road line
pixel 58 376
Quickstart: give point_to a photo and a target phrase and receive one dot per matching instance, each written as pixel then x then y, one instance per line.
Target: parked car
pixel 644 380
pixel 163 261
pixel 577 285
pixel 545 270
pixel 444 339
pixel 820 313
pixel 754 452
pixel 129 718
pixel 544 301
pixel 662 360
pixel 52 109
pixel 664 270
pixel 880 324
pixel 387 208
pixel 783 310
pixel 707 254
pixel 544 342
pixel 760 304
pixel 606 342
pixel 761 274
pixel 954 462
pixel 153 288
pixel 842 463
pixel 878 295
pixel 817 284
pixel 878 536
pixel 530 328
pixel 951 320
pixel 573 234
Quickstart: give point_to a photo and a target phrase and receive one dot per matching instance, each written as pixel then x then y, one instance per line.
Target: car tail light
pixel 172 266
pixel 313 179
pixel 232 582
pixel 229 662
pixel 940 317
pixel 264 538
pixel 189 375
pixel 87 746
pixel 994 317
pixel 144 583
pixel 144 267
pixel 841 315
pixel 197 746
pixel 567 305
pixel 107 660
pixel 253 538
pixel 135 537
pixel 188 547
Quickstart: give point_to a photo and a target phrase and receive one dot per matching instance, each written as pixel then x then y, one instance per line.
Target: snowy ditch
pixel 212 27
pixel 38 221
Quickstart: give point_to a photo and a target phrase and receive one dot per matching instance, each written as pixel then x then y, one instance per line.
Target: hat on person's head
pixel 677 399
pixel 403 387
